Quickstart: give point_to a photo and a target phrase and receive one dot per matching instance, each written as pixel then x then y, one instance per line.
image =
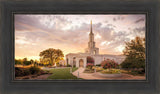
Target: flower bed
pixel 110 73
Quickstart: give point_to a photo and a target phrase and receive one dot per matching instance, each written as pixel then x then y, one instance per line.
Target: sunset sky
pixel 35 33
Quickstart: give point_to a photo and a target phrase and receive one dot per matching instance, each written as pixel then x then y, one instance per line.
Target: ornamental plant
pixel 89 65
pixel 111 71
pixel 109 64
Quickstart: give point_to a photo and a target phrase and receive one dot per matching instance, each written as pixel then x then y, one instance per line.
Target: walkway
pixel 94 76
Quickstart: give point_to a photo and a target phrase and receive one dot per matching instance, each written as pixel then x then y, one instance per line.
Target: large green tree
pixel 53 55
pixel 135 54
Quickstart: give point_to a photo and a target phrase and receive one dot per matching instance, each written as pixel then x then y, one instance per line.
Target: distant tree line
pixel 25 61
pixel 48 57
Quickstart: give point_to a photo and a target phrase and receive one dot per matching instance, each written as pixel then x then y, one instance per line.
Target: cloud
pixel 70 33
pixel 119 17
pixel 140 20
pixel 140 31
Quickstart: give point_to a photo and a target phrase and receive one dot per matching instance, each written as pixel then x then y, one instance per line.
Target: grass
pixel 63 73
pixel 134 73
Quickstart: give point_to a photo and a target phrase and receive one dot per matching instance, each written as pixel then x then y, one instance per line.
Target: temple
pixel 80 59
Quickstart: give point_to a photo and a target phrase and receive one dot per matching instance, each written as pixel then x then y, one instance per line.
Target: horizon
pixel 70 33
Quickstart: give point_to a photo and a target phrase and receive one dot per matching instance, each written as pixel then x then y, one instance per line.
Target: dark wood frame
pixel 11 86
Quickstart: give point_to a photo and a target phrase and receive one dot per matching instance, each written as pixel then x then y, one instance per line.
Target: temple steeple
pixel 91 44
pixel 91 27
pixel 91 35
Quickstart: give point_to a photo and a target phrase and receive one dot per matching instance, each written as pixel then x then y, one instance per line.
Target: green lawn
pixel 63 73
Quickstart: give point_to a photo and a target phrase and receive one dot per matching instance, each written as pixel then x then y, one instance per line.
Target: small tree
pixel 135 54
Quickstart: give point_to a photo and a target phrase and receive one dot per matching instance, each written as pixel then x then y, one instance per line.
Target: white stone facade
pixel 80 59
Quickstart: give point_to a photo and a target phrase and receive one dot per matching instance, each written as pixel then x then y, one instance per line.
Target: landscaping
pixel 111 71
pixel 29 73
pixel 53 73
pixel 109 68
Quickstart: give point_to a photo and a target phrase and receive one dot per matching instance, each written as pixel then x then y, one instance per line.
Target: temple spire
pixel 91 27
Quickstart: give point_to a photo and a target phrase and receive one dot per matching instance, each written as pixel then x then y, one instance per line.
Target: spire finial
pixel 91 26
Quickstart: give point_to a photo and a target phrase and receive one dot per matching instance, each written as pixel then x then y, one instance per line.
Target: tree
pixel 17 62
pixel 53 55
pixel 26 62
pixel 135 54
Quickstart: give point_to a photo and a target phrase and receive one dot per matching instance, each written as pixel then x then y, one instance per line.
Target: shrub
pixel 98 69
pixel 34 70
pixel 26 62
pixel 111 71
pixel 68 65
pixel 17 62
pixel 109 64
pixel 21 72
pixel 98 65
pixel 89 65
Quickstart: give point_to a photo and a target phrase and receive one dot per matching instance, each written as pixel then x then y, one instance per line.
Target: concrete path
pixel 85 75
pixel 95 76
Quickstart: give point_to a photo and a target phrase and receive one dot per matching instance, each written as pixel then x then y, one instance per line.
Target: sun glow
pixel 120 48
pixel 29 57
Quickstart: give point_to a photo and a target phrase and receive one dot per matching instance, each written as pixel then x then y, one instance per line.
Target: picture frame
pixel 10 86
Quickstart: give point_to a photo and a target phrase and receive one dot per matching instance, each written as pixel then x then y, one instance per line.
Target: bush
pixel 98 65
pixel 109 64
pixel 17 62
pixel 98 69
pixel 34 70
pixel 21 72
pixel 137 71
pixel 111 71
pixel 89 65
pixel 28 71
pixel 26 62
pixel 68 65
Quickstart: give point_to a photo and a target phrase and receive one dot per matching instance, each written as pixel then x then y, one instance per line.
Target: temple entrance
pixel 81 63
